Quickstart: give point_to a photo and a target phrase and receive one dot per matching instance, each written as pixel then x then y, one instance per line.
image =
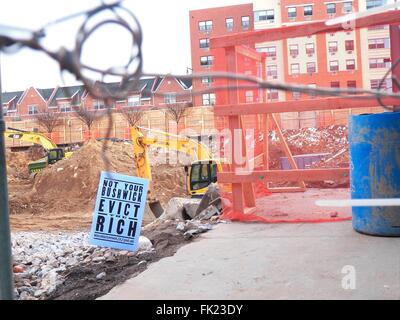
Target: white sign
pixel 118 215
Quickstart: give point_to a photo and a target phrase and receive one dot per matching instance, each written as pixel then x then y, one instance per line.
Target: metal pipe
pixel 6 274
pixel 389 202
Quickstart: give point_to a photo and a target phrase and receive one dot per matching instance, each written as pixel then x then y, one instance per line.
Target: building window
pixel 351 84
pixel 375 3
pixel 347 7
pixel 292 13
pixel 294 50
pixel 32 109
pixel 204 43
pixel 350 64
pixel 98 104
pixel 245 23
pixel 331 8
pixel 332 46
pixel 311 67
pixel 272 71
pixel 205 25
pixel 134 101
pixel 382 43
pixel 206 80
pixel 170 98
pixel 271 51
pixel 308 11
pixel 296 95
pixel 349 44
pixel 272 94
pixel 335 84
pixel 378 84
pixel 264 15
pixel 310 49
pixel 294 68
pixel 209 99
pixel 206 60
pixel 376 63
pixel 229 24
pixel 65 107
pixel 249 96
pixel 334 65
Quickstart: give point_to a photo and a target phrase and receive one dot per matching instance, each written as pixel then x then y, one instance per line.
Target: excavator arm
pixel 54 153
pixel 32 137
pixel 163 140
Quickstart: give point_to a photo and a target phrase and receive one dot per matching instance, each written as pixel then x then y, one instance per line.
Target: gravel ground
pixel 65 266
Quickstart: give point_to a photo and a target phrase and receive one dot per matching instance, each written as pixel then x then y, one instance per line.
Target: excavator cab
pixel 202 174
pixel 55 155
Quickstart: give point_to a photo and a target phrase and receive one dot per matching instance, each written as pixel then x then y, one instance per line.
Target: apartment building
pixel 208 23
pixel 375 49
pixel 346 59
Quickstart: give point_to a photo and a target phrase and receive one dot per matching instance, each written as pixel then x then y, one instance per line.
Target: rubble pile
pixel 58 265
pixel 332 140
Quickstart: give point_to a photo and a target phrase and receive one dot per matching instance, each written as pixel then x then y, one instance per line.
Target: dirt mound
pixel 70 185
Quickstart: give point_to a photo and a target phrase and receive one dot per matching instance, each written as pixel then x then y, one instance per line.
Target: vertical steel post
pixel 6 275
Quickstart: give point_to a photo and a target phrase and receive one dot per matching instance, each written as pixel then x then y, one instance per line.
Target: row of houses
pixel 151 92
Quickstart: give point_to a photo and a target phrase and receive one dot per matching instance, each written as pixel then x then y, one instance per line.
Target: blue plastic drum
pixel 374 141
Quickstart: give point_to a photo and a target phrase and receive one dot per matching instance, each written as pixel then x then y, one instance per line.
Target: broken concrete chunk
pixel 175 209
pixel 144 244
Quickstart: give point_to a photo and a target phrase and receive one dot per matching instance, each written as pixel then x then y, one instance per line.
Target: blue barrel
pixel 374 141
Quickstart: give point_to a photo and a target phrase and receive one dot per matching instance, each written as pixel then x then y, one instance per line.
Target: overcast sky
pixel 166 44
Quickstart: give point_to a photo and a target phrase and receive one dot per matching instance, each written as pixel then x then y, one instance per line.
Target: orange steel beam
pixel 302 105
pixel 302 30
pixel 283 175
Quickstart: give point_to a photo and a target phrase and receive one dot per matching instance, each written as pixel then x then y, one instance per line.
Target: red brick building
pixel 153 92
pixel 208 23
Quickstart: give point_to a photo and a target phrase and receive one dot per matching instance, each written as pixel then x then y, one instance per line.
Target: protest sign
pixel 119 210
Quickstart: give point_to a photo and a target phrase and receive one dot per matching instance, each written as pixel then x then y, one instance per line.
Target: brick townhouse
pixel 153 92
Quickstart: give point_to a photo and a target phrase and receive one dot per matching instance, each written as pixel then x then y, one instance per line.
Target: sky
pixel 165 27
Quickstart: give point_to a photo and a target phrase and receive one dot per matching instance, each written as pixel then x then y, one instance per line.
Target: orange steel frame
pixel 243 195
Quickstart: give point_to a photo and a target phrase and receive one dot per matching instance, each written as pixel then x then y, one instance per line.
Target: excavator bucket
pixel 156 208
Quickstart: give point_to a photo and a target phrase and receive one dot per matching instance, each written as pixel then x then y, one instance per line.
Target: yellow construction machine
pixel 53 152
pixel 199 175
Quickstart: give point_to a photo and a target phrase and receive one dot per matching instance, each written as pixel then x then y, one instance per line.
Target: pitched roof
pixel 7 96
pixel 68 92
pixel 46 93
pixel 185 83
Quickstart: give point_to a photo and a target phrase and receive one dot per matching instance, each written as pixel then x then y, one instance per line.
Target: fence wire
pixel 13 38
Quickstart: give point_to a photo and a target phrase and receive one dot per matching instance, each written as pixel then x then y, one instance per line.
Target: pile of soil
pixel 71 184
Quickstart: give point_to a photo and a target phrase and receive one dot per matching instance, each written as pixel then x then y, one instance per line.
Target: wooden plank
pixel 302 105
pixel 284 175
pixel 286 149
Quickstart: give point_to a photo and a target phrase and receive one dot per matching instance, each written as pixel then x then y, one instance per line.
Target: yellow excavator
pixel 53 152
pixel 199 175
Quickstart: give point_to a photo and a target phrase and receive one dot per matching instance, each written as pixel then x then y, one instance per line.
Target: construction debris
pixel 57 265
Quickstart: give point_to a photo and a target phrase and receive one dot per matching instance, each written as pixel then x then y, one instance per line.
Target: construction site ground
pixel 56 206
pixel 273 261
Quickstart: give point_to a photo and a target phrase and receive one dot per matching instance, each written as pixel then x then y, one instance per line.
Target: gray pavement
pixel 274 261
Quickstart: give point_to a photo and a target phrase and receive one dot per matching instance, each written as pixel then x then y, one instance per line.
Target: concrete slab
pixel 273 261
